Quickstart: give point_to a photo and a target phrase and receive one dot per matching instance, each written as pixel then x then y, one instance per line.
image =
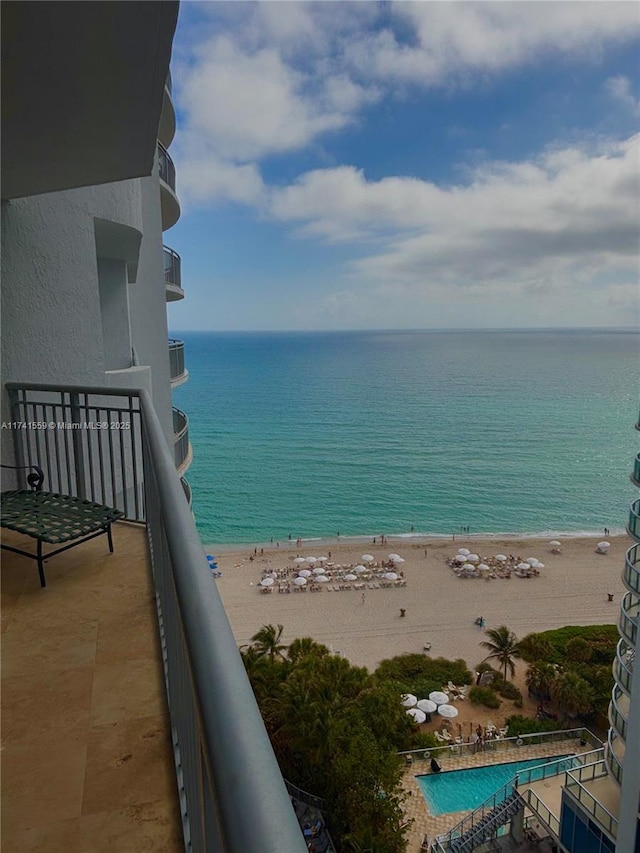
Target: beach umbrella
pixel 523 566
pixel 539 566
pixel 604 544
pixel 555 544
pixel 531 560
pixel 399 560
pixel 322 579
pixel 459 558
pixel 322 559
pixel 393 557
pixel 427 706
pixel 448 711
pixel 367 558
pixel 300 560
pixel 439 697
pixel 310 560
pixel 418 716
pixel 319 570
pixel 469 567
pixel 502 558
pixel 464 551
pixel 351 577
pixel 482 567
pixel 300 581
pixel 304 573
pixel 409 700
pixel 266 581
pixel 360 569
pixel 473 558
pixel 390 576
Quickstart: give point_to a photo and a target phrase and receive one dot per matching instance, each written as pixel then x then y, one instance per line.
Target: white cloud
pixel 619 88
pixel 569 217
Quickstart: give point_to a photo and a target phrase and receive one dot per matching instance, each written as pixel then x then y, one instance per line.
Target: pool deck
pixel 417 810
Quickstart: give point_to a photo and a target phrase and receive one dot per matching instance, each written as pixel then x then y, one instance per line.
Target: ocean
pixel 410 433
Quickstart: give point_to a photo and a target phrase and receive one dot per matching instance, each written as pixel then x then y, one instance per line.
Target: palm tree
pixel 539 679
pixel 503 646
pixel 267 642
pixel 304 647
pixel 535 648
pixel 572 694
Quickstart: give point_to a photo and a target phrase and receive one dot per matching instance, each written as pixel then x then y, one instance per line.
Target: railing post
pixel 78 455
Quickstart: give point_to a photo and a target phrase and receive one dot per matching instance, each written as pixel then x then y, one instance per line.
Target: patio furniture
pixel 52 518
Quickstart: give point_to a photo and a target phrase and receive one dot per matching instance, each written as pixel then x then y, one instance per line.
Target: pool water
pixel 463 790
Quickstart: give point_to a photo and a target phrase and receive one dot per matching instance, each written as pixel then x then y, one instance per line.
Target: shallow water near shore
pixel 410 433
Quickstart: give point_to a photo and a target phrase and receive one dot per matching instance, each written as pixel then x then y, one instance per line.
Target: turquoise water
pixel 464 790
pixel 365 433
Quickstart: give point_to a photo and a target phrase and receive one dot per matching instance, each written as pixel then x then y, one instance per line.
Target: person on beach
pixel 363 596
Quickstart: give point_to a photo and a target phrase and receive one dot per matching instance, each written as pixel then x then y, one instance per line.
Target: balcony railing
pixel 180 438
pixel 631 572
pixel 623 665
pixel 628 621
pixel 167 169
pixel 634 520
pixel 635 477
pixel 613 762
pixel 231 794
pixel 617 717
pixel 172 267
pixel 177 371
pixel 186 488
pixel 575 784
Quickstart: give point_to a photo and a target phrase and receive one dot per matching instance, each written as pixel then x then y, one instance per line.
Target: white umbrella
pixel 502 558
pixel 299 560
pixel 482 567
pixel 319 570
pixel 555 544
pixel 367 558
pixel 351 577
pixel 266 582
pixel 523 566
pixel 531 560
pixel 409 700
pixel 427 706
pixel 439 697
pixel 360 569
pixel 448 711
pixel 300 581
pixel 304 573
pixel 464 551
pixel 322 579
pixel 459 558
pixel 399 560
pixel 322 559
pixel 539 566
pixel 394 557
pixel 418 716
pixel 473 558
pixel 390 576
pixel 310 560
pixel 604 544
pixel 469 567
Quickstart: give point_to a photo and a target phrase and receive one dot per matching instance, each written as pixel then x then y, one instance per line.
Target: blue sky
pixel 406 165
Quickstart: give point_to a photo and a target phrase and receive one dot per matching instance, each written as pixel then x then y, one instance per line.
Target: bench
pixel 52 518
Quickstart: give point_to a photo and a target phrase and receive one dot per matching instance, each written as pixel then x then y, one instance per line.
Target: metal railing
pixel 613 762
pixel 180 437
pixel 634 519
pixel 575 786
pixel 232 795
pixel 631 571
pixel 623 665
pixel 542 811
pixel 176 360
pixel 504 744
pixel 167 169
pixel 635 477
pixel 172 267
pixel 169 82
pixel 617 717
pixel 186 488
pixel 628 621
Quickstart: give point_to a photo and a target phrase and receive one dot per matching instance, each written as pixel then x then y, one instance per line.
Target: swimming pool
pixel 463 790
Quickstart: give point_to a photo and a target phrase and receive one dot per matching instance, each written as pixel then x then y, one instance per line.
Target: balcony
pixel 181 446
pixel 631 571
pixel 167 125
pixel 614 756
pixel 619 712
pixel 169 204
pixel 634 520
pixel 623 666
pixel 186 488
pixel 628 621
pixel 90 734
pixel 172 275
pixel 177 372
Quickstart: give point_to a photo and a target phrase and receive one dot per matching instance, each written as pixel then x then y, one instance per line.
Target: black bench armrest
pixel 35 479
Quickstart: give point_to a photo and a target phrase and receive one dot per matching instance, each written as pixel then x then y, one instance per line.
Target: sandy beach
pixel 441 608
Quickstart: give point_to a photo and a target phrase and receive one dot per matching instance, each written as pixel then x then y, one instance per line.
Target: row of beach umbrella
pixel 437 702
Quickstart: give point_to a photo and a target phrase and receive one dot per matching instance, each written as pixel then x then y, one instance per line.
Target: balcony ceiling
pixel 82 90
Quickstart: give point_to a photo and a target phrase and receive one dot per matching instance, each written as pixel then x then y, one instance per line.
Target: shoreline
pixel 414 539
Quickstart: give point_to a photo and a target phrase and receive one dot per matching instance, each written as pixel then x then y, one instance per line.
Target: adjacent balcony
pixel 177 371
pixel 186 488
pixel 172 275
pixel 167 125
pixel 110 723
pixel 634 520
pixel 628 622
pixel 181 446
pixel 169 204
pixel 631 571
pixel 619 712
pixel 623 666
pixel 614 755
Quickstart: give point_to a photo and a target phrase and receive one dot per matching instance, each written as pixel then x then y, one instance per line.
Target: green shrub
pixel 509 690
pixel 484 696
pixel 519 725
pixel 423 740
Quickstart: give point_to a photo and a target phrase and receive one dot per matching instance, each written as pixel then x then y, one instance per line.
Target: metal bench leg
pixel 110 538
pixel 43 581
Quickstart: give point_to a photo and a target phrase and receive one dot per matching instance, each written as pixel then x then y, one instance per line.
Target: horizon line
pixel 633 329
